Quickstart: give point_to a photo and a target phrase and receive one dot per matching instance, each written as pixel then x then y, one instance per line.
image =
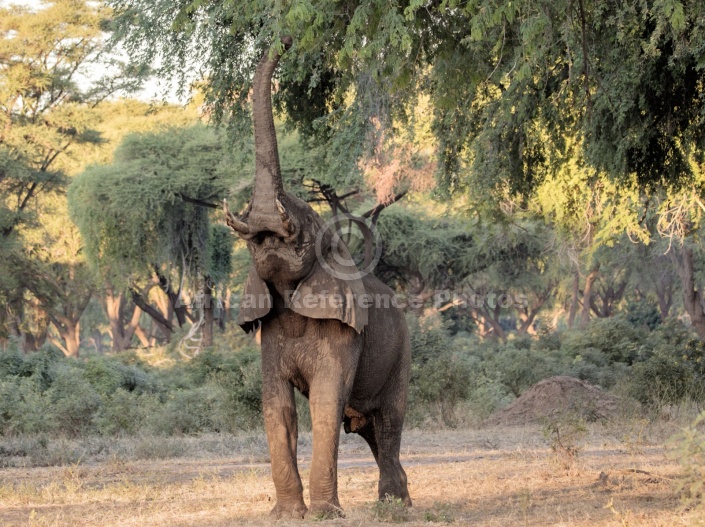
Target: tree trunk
pixel 692 295
pixel 530 312
pixel 574 299
pixel 141 334
pixel 665 299
pixel 97 340
pixel 115 309
pixel 72 337
pixel 208 309
pixel 70 332
pixel 226 306
pixel 160 321
pixel 587 295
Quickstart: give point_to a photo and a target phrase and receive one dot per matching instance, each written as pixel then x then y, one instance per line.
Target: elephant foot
pixel 325 511
pixel 296 511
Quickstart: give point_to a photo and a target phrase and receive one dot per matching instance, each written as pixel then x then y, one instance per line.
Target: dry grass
pixel 493 477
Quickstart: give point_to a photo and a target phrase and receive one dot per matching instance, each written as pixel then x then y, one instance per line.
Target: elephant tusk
pixel 288 224
pixel 237 225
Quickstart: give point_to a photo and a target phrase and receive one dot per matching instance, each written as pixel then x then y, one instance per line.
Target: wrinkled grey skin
pixel 350 360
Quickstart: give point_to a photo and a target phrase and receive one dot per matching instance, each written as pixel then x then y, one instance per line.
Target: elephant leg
pixel 392 478
pixel 326 402
pixel 282 433
pixel 367 432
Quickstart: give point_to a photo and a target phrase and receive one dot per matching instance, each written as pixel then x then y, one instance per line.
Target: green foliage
pixel 220 251
pixel 614 337
pixel 390 510
pixel 506 80
pixel 673 369
pixel 74 400
pixel 124 412
pixel 643 314
pixel 517 367
pixel 46 392
pixel 24 408
pixel 137 212
pixel 108 376
pixel 437 377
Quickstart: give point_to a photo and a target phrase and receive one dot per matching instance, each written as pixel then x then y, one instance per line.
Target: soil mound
pixel 557 396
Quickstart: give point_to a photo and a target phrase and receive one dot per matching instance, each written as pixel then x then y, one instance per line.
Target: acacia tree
pixel 145 220
pixel 49 100
pixel 626 79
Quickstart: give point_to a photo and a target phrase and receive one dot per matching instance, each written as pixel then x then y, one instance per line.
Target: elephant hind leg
pixel 367 432
pixel 383 435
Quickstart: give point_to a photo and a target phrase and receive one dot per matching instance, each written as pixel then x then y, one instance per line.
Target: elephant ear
pixel 256 302
pixel 332 291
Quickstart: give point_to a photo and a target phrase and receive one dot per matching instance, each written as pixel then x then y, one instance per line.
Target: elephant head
pixel 292 253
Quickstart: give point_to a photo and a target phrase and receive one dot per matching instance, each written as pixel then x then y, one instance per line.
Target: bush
pixel 190 412
pixel 614 337
pixel 517 368
pixel 643 315
pixel 438 379
pixel 672 367
pixel 125 412
pixel 24 409
pixel 108 375
pixel 74 400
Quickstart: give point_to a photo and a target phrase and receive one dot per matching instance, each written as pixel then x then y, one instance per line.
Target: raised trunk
pixel 268 188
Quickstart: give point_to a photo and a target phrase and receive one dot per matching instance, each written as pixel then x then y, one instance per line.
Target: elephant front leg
pixel 326 402
pixel 282 433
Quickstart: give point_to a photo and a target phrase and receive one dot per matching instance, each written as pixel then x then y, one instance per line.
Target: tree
pixel 145 220
pixel 48 115
pixel 625 79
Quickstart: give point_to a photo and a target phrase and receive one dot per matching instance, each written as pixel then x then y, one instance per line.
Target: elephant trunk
pixel 264 214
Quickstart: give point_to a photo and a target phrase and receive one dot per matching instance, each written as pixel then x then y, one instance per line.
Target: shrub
pixel 390 510
pixel 643 315
pixel 74 400
pixel 190 412
pixel 125 412
pixel 517 368
pixel 108 375
pixel 11 363
pixel 672 367
pixel 615 337
pixel 664 380
pixel 24 409
pixel 438 378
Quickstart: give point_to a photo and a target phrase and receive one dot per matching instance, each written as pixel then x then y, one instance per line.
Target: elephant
pixel 348 356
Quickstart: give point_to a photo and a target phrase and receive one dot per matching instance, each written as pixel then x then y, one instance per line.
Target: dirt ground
pixel 487 477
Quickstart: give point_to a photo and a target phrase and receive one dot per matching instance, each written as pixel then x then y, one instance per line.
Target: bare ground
pixel 622 475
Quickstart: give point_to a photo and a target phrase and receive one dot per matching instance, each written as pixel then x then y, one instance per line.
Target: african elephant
pixel 321 333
